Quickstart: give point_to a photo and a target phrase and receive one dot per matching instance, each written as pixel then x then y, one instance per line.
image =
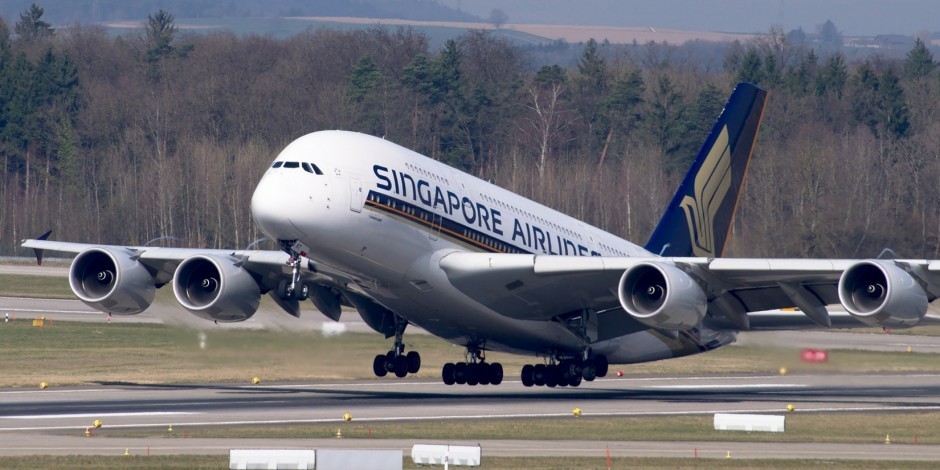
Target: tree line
pixel 125 139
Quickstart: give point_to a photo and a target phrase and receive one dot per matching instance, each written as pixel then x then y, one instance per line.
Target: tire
pixel 539 374
pixel 589 373
pixel 401 366
pixel 483 373
pixel 378 366
pixel 414 362
pixel 473 374
pixel 600 366
pixel 496 373
pixel 575 381
pixel 551 376
pixel 447 373
pixel 303 293
pixel 528 375
pixel 460 373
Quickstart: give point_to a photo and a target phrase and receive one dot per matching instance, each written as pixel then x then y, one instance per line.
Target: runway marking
pixel 722 386
pixel 44 392
pixel 486 416
pixel 100 415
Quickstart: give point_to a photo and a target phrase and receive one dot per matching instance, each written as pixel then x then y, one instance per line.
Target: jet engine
pixel 110 280
pixel 216 288
pixel 662 296
pixel 879 293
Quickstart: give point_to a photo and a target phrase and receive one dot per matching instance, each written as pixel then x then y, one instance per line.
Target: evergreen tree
pixel 833 77
pixel 751 68
pixel 830 36
pixel 31 26
pixel 363 89
pixel 895 116
pixel 919 62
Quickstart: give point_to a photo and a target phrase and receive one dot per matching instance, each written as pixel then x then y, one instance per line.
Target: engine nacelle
pixel 215 288
pixel 662 296
pixel 111 281
pixel 879 293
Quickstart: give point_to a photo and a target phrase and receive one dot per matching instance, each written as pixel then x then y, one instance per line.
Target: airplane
pixel 406 240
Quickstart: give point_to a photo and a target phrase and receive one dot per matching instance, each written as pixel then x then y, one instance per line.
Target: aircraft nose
pixel 272 206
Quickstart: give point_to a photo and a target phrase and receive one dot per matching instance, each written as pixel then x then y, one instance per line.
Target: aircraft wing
pixel 543 287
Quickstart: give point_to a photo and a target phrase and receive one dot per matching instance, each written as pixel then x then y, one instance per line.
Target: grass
pixel 49 287
pixel 63 353
pixel 136 462
pixel 857 428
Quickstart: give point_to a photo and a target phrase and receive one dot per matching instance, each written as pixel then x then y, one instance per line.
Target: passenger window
pixel 277 164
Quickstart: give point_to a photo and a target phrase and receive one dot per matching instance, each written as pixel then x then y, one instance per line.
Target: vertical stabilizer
pixel 698 218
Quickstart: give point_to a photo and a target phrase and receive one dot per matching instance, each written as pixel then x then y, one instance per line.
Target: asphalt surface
pixel 52 421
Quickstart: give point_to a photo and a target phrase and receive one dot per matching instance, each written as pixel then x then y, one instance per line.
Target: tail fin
pixel 698 219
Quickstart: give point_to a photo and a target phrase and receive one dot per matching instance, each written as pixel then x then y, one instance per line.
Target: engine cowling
pixel 216 288
pixel 662 296
pixel 879 293
pixel 111 281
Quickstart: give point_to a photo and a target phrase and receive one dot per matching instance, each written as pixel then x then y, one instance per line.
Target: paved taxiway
pixel 51 421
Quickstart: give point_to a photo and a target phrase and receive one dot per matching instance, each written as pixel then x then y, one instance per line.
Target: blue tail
pixel 698 219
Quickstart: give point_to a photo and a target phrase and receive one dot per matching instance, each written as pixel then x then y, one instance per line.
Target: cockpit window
pixel 308 167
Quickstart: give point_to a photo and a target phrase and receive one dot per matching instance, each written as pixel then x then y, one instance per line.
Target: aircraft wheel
pixel 460 373
pixel 539 374
pixel 483 373
pixel 473 374
pixel 400 364
pixel 600 364
pixel 589 373
pixel 551 376
pixel 528 375
pixel 447 373
pixel 414 362
pixel 496 373
pixel 303 293
pixel 378 366
pixel 575 381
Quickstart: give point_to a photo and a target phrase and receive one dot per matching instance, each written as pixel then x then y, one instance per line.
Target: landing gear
pixel 474 371
pixel 563 373
pixel 293 289
pixel 396 361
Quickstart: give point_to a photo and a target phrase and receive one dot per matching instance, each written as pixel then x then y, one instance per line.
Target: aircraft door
pixel 356 197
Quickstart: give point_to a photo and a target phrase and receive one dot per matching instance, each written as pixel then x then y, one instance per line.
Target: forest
pixel 160 133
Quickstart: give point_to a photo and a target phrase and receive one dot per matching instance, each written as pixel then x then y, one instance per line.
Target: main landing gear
pixel 564 372
pixel 475 370
pixel 396 361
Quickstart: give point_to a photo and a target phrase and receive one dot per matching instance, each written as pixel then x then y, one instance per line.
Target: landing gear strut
pixel 396 361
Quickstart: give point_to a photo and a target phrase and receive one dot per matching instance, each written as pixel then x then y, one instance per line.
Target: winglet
pixel 38 251
pixel 699 217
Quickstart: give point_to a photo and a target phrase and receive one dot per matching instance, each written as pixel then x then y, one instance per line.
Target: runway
pixel 51 421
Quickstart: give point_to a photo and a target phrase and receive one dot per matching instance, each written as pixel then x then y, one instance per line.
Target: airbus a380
pixel 404 239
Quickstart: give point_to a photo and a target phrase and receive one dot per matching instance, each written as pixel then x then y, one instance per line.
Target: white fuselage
pixel 385 215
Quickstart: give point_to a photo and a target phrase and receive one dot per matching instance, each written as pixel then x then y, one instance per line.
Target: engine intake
pixel 111 281
pixel 879 293
pixel 216 288
pixel 662 296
